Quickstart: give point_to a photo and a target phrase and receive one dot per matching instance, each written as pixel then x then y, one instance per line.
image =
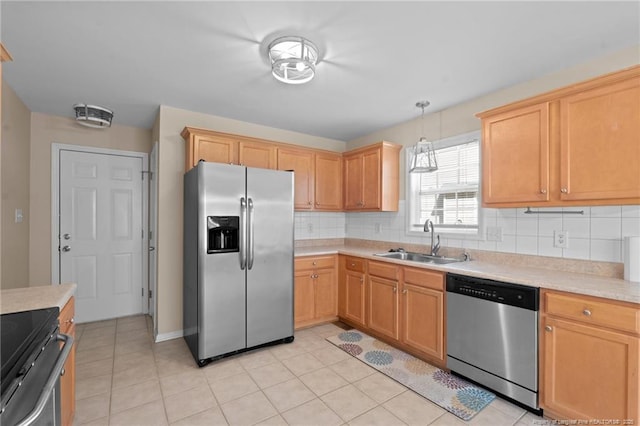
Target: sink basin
pixel 418 257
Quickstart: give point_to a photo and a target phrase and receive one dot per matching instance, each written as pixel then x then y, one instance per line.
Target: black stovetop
pixel 21 334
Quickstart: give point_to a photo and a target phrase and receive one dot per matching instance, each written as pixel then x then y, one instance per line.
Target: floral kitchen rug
pixel 455 395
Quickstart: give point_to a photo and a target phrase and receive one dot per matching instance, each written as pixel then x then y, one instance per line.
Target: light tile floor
pixel 123 378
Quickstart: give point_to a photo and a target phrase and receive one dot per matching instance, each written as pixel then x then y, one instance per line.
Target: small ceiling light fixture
pixel 93 116
pixel 293 59
pixel 423 157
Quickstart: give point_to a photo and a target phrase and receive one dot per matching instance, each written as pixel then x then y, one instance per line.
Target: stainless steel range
pixel 492 336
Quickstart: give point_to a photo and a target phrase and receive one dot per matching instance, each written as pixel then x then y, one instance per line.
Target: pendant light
pixel 423 157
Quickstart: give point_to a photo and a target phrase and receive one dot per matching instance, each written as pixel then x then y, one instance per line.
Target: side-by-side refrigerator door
pixel 270 256
pixel 221 307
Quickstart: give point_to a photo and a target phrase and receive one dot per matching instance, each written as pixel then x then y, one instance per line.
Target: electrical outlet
pixel 310 228
pixel 561 239
pixel 378 228
pixel 494 233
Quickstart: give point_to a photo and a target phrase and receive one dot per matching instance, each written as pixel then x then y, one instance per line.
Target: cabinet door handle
pixel 395 289
pixel 404 291
pixel 543 191
pixel 71 321
pixel 309 203
pixel 564 190
pixel 314 263
pixel 587 312
pixel 548 328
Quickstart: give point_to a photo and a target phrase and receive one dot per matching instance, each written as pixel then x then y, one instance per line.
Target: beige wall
pixel 15 189
pixel 171 170
pixel 48 129
pixel 461 118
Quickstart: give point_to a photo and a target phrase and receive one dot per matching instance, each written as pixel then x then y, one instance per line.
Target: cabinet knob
pixel 543 191
pixel 587 312
pixel 309 203
pixel 353 264
pixel 548 328
pixel 404 291
pixel 361 279
pixel 314 263
pixel 62 372
pixel 395 289
pixel 317 203
pixel 71 321
pixel 564 190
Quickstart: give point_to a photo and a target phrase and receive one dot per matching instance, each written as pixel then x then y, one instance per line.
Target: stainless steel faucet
pixel 428 227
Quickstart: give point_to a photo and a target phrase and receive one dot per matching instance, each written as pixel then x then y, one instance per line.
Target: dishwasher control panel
pixel 507 293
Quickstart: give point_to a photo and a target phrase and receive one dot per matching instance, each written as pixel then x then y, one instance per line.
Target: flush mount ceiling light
pixel 293 59
pixel 423 158
pixel 93 116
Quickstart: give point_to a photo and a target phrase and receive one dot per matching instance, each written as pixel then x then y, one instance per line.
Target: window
pixel 448 196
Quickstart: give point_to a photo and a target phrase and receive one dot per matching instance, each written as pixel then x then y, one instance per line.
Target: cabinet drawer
pixel 355 264
pixel 424 278
pixel 384 270
pixel 314 262
pixel 66 316
pixel 623 317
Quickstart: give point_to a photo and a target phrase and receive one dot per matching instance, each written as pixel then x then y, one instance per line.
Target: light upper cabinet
pixel 257 154
pixel 371 178
pixel 208 146
pixel 301 162
pixel 317 176
pixel 600 143
pixel 515 160
pixel 577 145
pixel 328 181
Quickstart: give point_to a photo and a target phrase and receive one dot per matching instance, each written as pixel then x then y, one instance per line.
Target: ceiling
pixel 377 59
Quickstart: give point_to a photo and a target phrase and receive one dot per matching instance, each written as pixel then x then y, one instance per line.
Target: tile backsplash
pixel 597 234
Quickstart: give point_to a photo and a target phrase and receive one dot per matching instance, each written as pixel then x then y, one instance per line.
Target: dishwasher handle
pixel 51 381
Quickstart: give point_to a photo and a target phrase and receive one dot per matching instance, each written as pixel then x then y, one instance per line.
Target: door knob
pixel 66 236
pixel 66 248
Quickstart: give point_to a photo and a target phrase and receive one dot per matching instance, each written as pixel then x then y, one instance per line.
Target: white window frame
pixel 475 234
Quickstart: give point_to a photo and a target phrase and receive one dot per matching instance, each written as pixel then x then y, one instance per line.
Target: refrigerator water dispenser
pixel 222 234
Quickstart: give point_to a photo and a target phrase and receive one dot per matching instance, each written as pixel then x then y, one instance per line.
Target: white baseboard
pixel 169 336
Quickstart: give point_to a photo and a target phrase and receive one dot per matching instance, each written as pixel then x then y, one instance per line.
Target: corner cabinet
pixel 68 378
pixel 372 178
pixel 589 358
pixel 577 145
pixel 315 290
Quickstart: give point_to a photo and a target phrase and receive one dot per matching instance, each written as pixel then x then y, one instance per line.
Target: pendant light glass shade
pixel 423 157
pixel 293 59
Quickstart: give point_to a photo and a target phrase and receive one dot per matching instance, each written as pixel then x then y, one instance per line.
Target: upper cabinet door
pixel 328 182
pixel 515 155
pixel 301 162
pixel 372 179
pixel 353 181
pixel 257 154
pixel 600 143
pixel 217 150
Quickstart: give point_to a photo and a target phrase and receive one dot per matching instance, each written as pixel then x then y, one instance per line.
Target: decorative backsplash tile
pixel 597 234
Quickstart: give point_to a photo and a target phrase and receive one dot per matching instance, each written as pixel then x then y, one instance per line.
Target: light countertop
pixel 31 298
pixel 591 285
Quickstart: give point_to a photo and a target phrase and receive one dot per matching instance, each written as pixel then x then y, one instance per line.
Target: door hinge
pixel 150 235
pixel 148 172
pixel 142 234
pixel 150 293
pixel 143 292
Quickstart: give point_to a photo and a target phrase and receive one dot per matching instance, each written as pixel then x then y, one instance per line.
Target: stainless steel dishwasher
pixel 492 336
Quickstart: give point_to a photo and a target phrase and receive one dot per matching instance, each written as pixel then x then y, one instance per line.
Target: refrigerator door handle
pixel 250 235
pixel 243 224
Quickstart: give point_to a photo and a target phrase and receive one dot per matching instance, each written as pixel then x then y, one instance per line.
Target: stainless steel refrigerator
pixel 238 259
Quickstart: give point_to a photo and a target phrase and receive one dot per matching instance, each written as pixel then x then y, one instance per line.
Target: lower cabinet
pixel 403 306
pixel 68 378
pixel 351 290
pixel 422 312
pixel 589 358
pixel 315 290
pixel 382 306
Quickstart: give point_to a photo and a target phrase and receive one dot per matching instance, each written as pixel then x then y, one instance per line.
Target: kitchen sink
pixel 418 257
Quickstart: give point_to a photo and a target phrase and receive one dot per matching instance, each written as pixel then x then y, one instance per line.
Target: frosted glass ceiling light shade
pixel 293 59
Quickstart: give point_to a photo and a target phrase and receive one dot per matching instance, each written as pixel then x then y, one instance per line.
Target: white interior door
pixel 101 237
